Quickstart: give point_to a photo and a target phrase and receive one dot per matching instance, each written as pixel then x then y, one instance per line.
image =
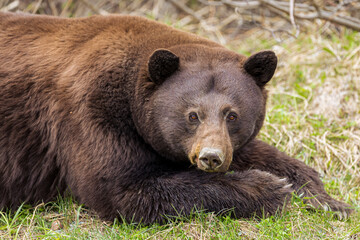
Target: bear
pixel 139 120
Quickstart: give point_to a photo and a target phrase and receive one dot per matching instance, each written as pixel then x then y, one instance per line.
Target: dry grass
pixel 313 115
pixel 323 85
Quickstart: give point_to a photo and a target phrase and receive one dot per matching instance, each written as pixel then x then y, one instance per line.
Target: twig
pixel 210 3
pixel 11 6
pixel 291 13
pixel 244 5
pixel 53 8
pixel 37 6
pixel 67 5
pixel 292 19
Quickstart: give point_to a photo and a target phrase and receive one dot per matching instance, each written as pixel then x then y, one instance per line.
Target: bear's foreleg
pixel 149 192
pixel 247 194
pixel 304 179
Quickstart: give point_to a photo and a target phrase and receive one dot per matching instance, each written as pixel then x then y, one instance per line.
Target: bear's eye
pixel 193 117
pixel 231 117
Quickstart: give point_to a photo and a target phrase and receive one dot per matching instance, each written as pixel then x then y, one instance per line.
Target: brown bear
pixel 139 120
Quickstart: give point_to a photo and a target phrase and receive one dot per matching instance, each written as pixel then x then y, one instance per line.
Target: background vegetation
pixel 313 113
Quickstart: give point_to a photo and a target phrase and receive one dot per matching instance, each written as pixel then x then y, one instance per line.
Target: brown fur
pixel 91 106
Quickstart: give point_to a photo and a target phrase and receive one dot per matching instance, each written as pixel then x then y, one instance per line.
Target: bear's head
pixel 199 104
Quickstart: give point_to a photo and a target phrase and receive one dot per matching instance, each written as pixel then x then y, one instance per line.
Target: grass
pixel 313 115
pixel 64 219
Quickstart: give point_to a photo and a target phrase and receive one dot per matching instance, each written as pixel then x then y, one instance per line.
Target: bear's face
pixel 205 109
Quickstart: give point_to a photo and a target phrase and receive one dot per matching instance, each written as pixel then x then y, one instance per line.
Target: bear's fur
pixel 116 109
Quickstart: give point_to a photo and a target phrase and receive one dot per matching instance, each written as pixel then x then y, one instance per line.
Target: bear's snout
pixel 211 158
pixel 212 152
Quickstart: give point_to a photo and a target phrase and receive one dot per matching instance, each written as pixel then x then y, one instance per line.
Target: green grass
pixel 76 222
pixel 313 115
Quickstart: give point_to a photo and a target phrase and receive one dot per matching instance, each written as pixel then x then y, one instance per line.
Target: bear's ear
pixel 261 66
pixel 162 63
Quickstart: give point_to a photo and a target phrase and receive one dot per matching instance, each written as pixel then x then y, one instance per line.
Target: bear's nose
pixel 211 158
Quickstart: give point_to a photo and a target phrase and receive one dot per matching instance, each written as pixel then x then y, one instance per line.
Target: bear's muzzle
pixel 212 149
pixel 211 158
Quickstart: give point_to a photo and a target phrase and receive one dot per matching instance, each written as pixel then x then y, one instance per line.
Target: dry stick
pixel 37 6
pixel 53 8
pixel 301 6
pixel 352 23
pixel 291 13
pixel 292 19
pixel 349 22
pixel 11 6
pixel 67 5
pixel 244 5
pixel 207 3
pixel 32 218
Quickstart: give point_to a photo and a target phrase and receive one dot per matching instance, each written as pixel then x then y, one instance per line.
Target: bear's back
pixel 52 37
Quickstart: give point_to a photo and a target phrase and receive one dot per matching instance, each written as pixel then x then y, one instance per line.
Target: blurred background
pixel 223 20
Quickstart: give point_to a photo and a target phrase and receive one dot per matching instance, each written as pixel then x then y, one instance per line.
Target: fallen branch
pixel 349 22
pixel 294 10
